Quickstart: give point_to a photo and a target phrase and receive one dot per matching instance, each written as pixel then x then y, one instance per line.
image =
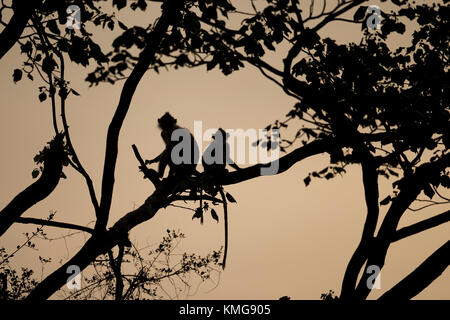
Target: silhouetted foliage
pixel 368 104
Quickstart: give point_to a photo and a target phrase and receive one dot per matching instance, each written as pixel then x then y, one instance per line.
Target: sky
pixel 285 238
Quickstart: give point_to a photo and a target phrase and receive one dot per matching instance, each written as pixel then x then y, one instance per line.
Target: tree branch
pixel 150 174
pixel 283 163
pixel 422 276
pixel 129 87
pixel 410 188
pixel 116 266
pixel 370 181
pixel 50 223
pixel 421 226
pixel 76 164
pixel 38 190
pixel 22 13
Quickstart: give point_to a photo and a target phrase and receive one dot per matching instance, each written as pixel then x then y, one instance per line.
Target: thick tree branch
pixel 102 242
pixel 370 181
pixel 422 276
pixel 410 188
pixel 116 265
pixel 129 87
pixel 23 10
pixel 421 226
pixel 37 191
pixel 283 163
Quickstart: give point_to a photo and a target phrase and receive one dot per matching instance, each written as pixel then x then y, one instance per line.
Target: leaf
pixel 120 4
pixel 48 64
pixel 17 75
pixel 198 214
pixel 110 25
pixel 230 197
pixel 74 92
pixel 142 4
pixel 27 47
pixel 386 200
pixel 269 45
pixel 428 190
pixel 42 96
pixel 214 215
pixel 360 13
pixel 122 26
pixel 329 175
pixel 35 173
pixel 307 180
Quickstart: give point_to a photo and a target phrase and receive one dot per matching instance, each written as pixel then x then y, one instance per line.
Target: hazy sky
pixel 285 239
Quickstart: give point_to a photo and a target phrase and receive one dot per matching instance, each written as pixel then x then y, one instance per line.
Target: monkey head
pixel 166 121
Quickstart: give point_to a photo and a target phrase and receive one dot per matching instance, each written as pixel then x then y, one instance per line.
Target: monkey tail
pixel 225 218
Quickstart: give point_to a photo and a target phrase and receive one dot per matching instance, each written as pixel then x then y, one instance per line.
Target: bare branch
pixel 150 174
pixel 56 224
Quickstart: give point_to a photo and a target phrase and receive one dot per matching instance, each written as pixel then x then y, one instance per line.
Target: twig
pixel 54 224
pixel 148 173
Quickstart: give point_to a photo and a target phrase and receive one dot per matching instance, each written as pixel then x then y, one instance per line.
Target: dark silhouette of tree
pixel 385 110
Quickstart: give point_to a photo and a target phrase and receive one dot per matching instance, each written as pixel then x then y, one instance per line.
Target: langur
pixel 181 156
pixel 217 155
pixel 214 161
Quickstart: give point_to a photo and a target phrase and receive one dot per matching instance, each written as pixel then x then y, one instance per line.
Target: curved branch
pixel 421 226
pixel 410 189
pixel 150 174
pixel 116 267
pixel 37 191
pixel 283 163
pixel 76 164
pixel 370 181
pixel 422 276
pixel 129 87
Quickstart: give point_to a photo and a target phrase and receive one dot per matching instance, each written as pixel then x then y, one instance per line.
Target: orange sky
pixel 285 239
